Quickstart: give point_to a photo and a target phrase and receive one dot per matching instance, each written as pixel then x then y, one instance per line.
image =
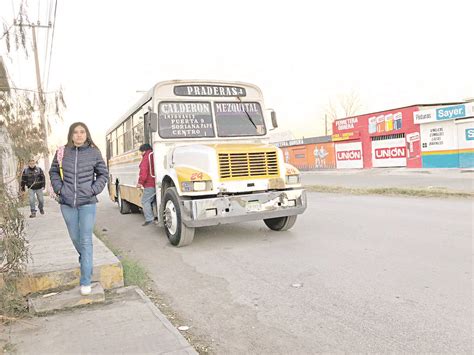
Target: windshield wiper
pixel 250 118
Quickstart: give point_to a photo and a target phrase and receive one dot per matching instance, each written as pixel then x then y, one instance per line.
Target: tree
pixel 22 123
pixel 345 105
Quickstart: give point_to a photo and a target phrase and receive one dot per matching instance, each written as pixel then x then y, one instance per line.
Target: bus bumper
pixel 241 208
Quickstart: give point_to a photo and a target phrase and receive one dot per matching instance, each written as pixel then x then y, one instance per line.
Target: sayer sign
pixel 349 155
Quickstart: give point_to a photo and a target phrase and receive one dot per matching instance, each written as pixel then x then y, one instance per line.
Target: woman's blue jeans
pixel 80 223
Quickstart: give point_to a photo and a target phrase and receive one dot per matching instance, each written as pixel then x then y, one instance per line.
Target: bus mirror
pixel 151 121
pixel 274 119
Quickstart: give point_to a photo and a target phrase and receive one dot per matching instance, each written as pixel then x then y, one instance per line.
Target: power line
pixel 52 41
pixel 47 45
pixel 27 90
pixel 39 10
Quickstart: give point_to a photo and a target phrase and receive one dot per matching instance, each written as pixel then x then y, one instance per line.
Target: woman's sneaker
pixel 86 290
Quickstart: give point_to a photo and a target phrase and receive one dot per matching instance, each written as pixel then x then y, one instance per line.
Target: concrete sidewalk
pixel 54 261
pixel 127 322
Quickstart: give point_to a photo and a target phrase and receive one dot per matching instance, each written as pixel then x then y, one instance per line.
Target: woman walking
pixel 78 173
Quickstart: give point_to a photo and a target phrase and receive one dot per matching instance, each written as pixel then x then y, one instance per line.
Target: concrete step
pixel 60 267
pixel 66 299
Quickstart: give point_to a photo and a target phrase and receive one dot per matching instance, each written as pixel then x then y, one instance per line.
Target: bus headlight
pixel 292 179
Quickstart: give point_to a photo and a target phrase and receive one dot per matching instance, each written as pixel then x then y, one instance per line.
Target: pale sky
pixel 300 53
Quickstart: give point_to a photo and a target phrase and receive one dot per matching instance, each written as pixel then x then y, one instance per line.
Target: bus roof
pixel 150 93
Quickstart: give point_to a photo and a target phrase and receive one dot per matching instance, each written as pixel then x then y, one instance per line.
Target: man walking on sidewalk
pixel 33 179
pixel 146 181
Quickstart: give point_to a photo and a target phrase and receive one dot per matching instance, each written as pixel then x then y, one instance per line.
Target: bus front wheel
pixel 178 234
pixel 280 223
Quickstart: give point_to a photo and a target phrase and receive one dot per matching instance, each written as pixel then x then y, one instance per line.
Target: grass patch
pixel 133 272
pixel 390 191
pixel 12 304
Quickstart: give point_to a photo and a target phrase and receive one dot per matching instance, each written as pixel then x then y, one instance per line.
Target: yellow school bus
pixel 213 163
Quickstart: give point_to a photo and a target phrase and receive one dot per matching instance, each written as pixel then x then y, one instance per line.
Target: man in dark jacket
pixel 33 179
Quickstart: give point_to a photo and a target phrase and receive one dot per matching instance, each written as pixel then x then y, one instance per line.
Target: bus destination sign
pixel 209 90
pixel 185 120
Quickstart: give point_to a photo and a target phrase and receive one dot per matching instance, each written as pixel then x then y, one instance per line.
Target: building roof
pixel 399 108
pixel 302 141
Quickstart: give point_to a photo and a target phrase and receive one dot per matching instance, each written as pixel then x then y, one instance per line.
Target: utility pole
pixel 41 97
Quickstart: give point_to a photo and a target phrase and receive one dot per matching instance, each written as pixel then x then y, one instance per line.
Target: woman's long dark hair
pixel 88 141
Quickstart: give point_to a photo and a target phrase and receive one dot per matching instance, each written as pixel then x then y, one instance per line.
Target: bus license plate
pixel 253 206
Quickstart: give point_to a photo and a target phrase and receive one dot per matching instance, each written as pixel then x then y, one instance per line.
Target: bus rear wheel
pixel 280 223
pixel 124 205
pixel 178 234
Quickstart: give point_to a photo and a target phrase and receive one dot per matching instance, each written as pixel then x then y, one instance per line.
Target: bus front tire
pixel 280 223
pixel 178 234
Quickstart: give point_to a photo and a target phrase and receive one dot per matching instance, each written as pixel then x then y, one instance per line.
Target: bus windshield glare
pixel 235 119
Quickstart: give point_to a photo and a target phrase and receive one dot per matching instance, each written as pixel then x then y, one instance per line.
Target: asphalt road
pixel 355 274
pixel 449 179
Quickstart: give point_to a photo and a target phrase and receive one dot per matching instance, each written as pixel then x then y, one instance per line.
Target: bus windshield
pixel 234 119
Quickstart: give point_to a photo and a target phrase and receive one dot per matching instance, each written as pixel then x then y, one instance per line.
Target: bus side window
pixel 128 134
pixel 108 147
pixel 138 128
pixel 114 143
pixel 120 139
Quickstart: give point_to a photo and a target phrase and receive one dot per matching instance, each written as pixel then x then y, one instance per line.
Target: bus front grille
pixel 248 165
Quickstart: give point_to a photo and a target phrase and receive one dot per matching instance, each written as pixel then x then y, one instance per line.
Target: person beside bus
pixel 33 179
pixel 146 181
pixel 78 174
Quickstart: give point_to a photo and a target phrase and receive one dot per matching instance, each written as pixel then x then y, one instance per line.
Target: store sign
pixel 389 153
pixel 346 123
pixel 470 109
pixel 209 90
pixel 424 116
pixel 443 113
pixel 349 155
pixel 345 136
pixel 451 112
pixel 385 123
pixel 438 136
pixel 289 143
pixel 413 137
pixel 470 134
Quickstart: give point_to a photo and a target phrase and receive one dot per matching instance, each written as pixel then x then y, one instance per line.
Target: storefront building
pixel 309 153
pixel 382 139
pixel 447 136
